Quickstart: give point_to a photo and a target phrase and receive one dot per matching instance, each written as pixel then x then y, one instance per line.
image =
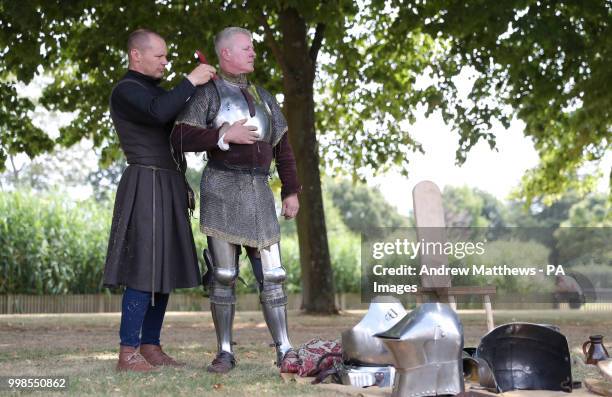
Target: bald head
pixel 141 40
pixel 147 53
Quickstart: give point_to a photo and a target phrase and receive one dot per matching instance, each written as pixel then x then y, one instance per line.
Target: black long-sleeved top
pixel 143 114
pixel 152 106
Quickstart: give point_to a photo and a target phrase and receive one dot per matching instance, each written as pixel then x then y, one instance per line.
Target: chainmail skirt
pixel 238 207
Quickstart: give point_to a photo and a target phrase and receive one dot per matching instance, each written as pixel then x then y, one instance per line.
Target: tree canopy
pixel 471 207
pixel 369 65
pixel 546 63
pixel 363 208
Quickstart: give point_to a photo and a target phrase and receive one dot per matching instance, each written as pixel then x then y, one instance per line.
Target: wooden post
pixel 9 304
pixel 431 228
pixel 452 302
pixel 489 311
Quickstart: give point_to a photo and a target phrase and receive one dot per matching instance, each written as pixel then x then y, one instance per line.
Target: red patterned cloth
pixel 290 363
pixel 318 355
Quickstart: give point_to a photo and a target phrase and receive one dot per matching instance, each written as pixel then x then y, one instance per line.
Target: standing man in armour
pixel 242 129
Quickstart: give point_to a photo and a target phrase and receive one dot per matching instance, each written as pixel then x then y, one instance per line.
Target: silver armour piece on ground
pixel 359 346
pixel 427 349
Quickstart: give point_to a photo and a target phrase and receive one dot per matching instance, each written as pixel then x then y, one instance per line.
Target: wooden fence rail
pixel 103 303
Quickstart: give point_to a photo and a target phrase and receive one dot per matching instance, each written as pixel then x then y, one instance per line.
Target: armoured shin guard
pixel 223 290
pixel 276 320
pixel 223 318
pixel 273 298
pixel 223 308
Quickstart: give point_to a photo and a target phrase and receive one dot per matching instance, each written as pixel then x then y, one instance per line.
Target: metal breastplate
pixel 233 107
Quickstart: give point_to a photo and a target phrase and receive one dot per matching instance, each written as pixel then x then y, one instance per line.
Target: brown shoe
pixel 222 364
pixel 131 360
pixel 157 357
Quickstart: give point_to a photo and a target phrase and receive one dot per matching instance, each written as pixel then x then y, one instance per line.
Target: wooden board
pixel 475 391
pixel 461 290
pixel 600 387
pixel 471 390
pixel 605 367
pixel 340 389
pixel 429 218
pixel 353 391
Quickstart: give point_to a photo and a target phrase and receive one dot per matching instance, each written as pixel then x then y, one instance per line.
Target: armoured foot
pixel 157 357
pixel 222 364
pixel 132 361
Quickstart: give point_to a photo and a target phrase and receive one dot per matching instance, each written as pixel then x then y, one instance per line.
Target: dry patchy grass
pixel 83 347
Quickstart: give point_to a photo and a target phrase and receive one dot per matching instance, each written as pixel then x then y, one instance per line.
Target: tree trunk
pixel 298 79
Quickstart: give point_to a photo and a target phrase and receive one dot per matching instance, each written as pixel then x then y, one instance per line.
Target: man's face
pixel 152 59
pixel 240 54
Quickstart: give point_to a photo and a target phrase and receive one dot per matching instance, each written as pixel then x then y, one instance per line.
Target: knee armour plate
pixel 273 271
pixel 225 276
pixel 224 271
pixel 272 293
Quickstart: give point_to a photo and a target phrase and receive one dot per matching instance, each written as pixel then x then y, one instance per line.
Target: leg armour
pixel 223 290
pixel 272 295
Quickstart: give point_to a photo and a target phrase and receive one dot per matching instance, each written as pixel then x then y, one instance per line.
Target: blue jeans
pixel 138 316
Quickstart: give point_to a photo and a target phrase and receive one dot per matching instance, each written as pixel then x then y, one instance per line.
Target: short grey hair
pixel 222 37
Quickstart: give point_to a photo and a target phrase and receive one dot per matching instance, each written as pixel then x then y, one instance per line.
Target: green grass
pixel 83 347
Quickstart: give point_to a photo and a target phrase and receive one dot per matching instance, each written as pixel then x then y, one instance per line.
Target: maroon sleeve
pixel 287 170
pixel 187 138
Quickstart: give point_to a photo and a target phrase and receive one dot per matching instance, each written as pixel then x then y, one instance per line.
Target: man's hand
pixel 201 74
pixel 241 134
pixel 291 206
